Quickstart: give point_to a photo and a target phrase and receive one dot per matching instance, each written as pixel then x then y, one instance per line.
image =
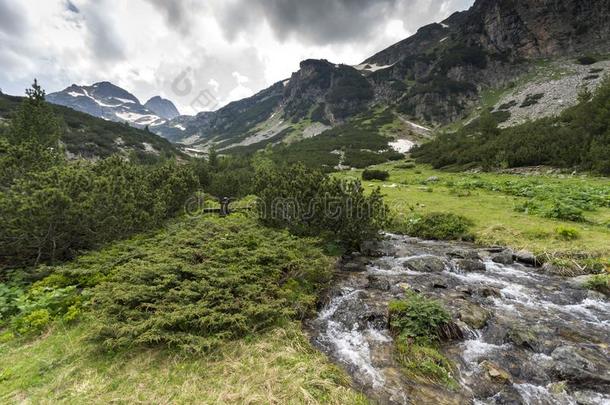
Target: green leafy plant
pixel 419 324
pixel 599 282
pixel 566 233
pixel 438 226
pixel 418 319
pixel 565 211
pixel 371 174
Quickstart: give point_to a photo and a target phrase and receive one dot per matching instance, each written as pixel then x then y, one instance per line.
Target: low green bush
pixel 599 282
pixel 308 202
pixel 566 233
pixel 437 226
pixel 407 165
pixel 419 324
pixel 418 319
pixel 371 174
pixel 205 281
pixel 565 212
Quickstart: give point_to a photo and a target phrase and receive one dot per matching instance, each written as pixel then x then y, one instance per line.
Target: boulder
pixel 488 292
pixel 355 314
pixel 496 373
pixel 473 315
pixel 377 248
pixel 464 254
pixel 379 283
pixel 583 366
pixel 355 266
pixel 469 265
pixel 526 257
pixel 425 264
pixel 504 257
pixel 523 338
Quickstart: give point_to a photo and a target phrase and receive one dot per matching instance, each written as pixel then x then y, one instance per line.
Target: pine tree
pixel 35 121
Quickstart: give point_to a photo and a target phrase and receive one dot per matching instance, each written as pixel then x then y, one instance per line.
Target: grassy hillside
pixel 278 367
pixel 522 212
pixel 88 136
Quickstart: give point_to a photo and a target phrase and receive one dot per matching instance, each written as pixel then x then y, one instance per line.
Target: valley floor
pixel 508 209
pixel 280 366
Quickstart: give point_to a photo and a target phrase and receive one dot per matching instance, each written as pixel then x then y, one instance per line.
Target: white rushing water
pixel 530 316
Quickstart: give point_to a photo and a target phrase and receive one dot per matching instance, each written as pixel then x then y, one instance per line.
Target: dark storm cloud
pixel 317 21
pixel 105 42
pixel 177 13
pixel 323 22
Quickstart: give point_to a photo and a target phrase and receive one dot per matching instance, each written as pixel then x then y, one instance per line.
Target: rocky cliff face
pixel 435 76
pixel 540 28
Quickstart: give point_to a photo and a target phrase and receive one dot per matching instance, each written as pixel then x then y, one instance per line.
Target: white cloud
pixel 146 46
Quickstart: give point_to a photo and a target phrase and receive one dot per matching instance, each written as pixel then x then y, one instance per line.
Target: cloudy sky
pixel 228 49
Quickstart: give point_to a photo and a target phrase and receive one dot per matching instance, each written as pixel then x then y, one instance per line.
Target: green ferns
pixel 419 324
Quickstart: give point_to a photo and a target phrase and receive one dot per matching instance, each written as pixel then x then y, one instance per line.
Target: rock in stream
pixel 530 337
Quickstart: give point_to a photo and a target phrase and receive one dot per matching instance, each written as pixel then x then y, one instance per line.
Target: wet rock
pixel 508 396
pixel 425 264
pixel 464 254
pixel 597 296
pixel 356 314
pixel 400 289
pixel 583 366
pixel 354 267
pixel 590 398
pixel 522 337
pixel 377 248
pixel 526 257
pixel 379 283
pixel 464 290
pixel 488 292
pixel 504 257
pixel 354 264
pixel 577 282
pixel 469 265
pixel 496 373
pixel 473 315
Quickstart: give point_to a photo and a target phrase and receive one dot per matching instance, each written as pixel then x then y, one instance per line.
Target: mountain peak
pixel 162 107
pixel 111 102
